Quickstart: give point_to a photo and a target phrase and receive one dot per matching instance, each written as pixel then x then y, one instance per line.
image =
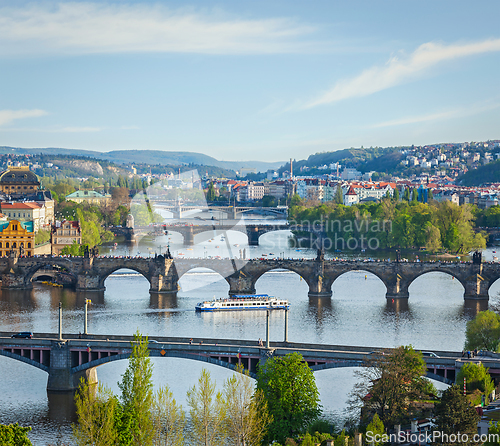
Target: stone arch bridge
pixel 69 359
pixel 188 232
pixel 89 273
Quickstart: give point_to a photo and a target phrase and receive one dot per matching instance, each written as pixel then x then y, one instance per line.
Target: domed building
pixel 18 181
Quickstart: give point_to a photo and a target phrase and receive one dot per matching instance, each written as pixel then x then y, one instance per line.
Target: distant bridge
pixel 231 211
pixel 188 231
pixel 89 273
pixel 67 360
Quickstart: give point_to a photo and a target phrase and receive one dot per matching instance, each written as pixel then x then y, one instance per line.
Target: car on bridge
pixel 23 334
pixel 429 355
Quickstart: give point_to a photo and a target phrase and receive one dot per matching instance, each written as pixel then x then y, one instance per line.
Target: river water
pixel 357 314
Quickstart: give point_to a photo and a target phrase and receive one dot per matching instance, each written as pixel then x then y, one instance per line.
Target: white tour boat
pixel 244 302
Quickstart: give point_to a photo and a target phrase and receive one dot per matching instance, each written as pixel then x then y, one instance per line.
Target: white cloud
pixel 76 130
pixel 76 28
pixel 398 71
pixel 8 116
pixel 72 129
pixel 448 114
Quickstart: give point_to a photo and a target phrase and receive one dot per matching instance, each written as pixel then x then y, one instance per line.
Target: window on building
pixel 14 245
pixel 29 244
pixel 7 245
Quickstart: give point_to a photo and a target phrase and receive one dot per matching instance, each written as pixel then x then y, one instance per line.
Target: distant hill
pixel 153 157
pixel 380 159
pixel 489 173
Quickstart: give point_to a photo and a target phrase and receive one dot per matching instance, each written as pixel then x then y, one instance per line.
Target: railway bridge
pixel 68 359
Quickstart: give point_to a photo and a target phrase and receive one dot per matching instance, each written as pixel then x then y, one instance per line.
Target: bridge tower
pixel 476 284
pixel 163 275
pixel 320 285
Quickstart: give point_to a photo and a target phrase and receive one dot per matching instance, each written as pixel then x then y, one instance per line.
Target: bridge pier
pixel 89 282
pixel 320 287
pixel 240 283
pixel 60 377
pixel 476 288
pixel 163 276
pixel 13 281
pixel 253 234
pixel 395 288
pixel 264 355
pixel 189 237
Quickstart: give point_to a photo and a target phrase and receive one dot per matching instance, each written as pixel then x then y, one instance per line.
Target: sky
pixel 261 80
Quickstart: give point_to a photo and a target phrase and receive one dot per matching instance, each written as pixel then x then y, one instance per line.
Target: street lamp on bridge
pixel 87 302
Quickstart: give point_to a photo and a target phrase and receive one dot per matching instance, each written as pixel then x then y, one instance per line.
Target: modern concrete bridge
pixel 71 358
pixel 90 272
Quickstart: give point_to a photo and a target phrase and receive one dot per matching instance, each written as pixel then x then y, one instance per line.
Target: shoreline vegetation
pixel 393 224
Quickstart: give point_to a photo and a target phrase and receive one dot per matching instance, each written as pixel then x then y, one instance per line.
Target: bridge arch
pixel 256 275
pixel 363 270
pixel 346 364
pixel 157 354
pixel 106 273
pixel 64 263
pixel 24 359
pixel 293 282
pixel 411 280
pixel 273 233
pixel 494 285
pixel 199 283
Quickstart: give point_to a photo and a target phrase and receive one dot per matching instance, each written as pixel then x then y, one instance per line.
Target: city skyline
pixel 240 81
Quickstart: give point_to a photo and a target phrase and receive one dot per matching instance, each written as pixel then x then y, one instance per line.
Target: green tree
pixel 483 332
pixel 395 195
pixel 14 435
pixel 341 439
pixel 207 409
pixel 247 415
pixel 169 419
pixel 433 238
pixel 338 197
pixel 75 249
pixel 291 393
pixel 414 196
pixel 394 382
pixel 476 378
pixel 137 392
pixel 493 429
pixel 429 195
pixel 375 427
pixel 42 236
pixel 95 409
pixel 455 414
pixel 406 194
pixel 211 194
pixel 268 201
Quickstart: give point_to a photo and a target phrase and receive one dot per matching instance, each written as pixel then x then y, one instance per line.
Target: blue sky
pixel 241 80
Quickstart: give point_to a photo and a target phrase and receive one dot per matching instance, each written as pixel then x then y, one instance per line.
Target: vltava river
pixel 357 314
